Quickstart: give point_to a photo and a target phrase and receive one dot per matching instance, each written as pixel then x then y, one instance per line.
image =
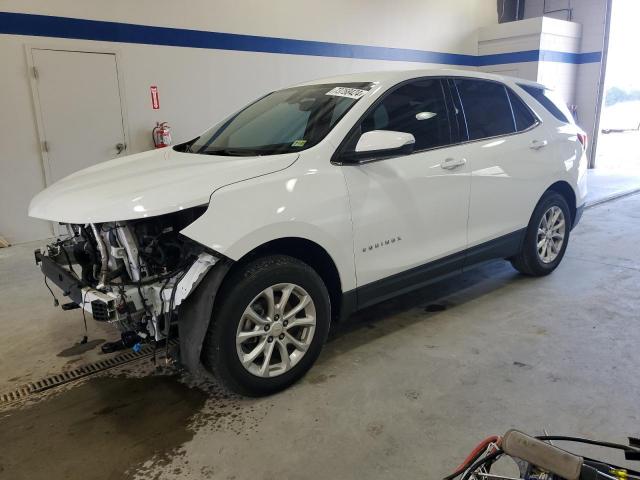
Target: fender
pixel 308 200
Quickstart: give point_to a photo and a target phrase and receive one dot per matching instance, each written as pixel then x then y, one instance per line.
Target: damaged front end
pixel 135 274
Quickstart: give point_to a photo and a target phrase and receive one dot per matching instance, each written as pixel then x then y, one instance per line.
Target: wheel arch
pixel 310 253
pixel 568 193
pixel 196 313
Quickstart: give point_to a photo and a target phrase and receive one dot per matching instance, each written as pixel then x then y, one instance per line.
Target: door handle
pixel 452 163
pixel 121 147
pixel 538 144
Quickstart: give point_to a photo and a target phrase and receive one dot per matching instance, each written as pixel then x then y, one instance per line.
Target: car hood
pixel 147 184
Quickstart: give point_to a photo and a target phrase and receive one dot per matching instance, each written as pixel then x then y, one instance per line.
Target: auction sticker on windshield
pixel 346 92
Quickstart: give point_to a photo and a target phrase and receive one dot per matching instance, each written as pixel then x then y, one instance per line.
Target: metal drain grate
pixel 80 372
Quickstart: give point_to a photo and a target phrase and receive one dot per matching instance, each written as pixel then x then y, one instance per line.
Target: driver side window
pixel 418 108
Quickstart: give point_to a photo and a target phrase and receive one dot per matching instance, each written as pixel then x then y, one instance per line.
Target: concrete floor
pixel 397 393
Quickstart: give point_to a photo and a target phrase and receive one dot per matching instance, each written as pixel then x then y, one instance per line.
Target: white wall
pixel 560 36
pixel 200 86
pixel 511 37
pixel 535 34
pixel 591 14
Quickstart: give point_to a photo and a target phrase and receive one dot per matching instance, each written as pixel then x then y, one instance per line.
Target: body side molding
pixel 420 276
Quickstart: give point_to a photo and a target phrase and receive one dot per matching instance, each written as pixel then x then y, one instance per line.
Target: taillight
pixel 583 140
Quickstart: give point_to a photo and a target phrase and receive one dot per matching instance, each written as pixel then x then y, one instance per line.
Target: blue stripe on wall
pixel 539 55
pixel 513 57
pixel 75 28
pixel 566 57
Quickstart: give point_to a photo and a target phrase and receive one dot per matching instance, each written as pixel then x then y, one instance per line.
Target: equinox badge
pixel 383 243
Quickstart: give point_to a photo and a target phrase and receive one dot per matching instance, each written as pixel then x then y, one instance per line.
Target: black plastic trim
pixel 349 304
pixel 66 281
pixel 578 216
pixel 359 158
pixel 195 315
pixel 408 280
pixel 417 277
pixel 502 247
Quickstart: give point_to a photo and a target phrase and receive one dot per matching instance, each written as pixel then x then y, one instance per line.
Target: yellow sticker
pixel 299 143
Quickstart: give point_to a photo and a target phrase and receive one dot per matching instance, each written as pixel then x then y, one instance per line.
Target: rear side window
pixel 521 113
pixel 486 108
pixel 419 108
pixel 550 101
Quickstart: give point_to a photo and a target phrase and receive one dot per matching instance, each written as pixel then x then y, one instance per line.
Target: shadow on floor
pixel 422 305
pixel 107 427
pixel 98 429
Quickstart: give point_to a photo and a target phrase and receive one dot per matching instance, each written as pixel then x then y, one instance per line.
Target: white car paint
pixel 413 200
pixel 378 139
pixel 146 184
pixel 436 202
pixel 508 177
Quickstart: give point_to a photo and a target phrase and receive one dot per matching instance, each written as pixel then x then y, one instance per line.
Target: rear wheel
pixel 269 327
pixel 546 238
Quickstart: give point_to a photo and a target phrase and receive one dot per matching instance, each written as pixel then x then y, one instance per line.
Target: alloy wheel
pixel 276 330
pixel 551 233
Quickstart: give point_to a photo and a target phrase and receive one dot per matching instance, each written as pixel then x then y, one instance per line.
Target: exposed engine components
pixel 104 258
pixel 134 273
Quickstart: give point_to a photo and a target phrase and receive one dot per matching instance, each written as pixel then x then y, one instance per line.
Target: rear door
pixel 506 154
pixel 409 212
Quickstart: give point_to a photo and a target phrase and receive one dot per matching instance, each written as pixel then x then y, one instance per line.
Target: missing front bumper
pixel 102 306
pixel 67 282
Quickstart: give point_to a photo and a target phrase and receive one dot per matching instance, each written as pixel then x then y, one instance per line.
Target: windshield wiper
pixel 229 152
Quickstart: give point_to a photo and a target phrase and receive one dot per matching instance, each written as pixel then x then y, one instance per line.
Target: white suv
pixel 310 203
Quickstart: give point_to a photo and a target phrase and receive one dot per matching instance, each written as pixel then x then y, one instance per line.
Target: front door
pixel 409 213
pixel 81 118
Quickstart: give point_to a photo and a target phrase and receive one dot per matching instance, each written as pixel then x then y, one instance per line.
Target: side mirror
pixel 384 140
pixel 379 144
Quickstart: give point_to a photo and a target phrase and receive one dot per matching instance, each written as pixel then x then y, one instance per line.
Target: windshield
pixel 284 121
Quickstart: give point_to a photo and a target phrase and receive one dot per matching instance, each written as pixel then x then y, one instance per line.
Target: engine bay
pixel 134 273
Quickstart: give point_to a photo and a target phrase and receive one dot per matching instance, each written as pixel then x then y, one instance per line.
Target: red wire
pixel 474 453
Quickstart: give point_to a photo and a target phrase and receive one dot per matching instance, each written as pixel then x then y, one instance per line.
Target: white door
pixel 410 210
pixel 506 157
pixel 81 118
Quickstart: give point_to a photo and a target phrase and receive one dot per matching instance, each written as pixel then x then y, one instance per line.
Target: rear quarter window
pixel 550 101
pixel 521 114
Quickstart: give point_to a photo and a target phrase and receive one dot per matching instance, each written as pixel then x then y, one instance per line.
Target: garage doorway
pixel 617 160
pixel 79 108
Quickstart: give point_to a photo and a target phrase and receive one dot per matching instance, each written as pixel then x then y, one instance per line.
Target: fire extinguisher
pixel 161 134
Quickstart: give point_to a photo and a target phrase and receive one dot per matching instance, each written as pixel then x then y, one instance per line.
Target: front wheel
pixel 546 238
pixel 269 326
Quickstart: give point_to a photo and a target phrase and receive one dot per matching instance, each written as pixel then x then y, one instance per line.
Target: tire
pixel 245 300
pixel 530 261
